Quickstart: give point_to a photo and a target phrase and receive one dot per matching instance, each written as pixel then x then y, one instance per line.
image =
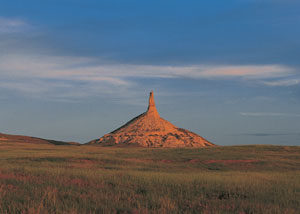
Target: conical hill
pixel 150 130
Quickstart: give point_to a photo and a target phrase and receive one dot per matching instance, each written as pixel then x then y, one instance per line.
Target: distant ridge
pixel 150 130
pixel 7 138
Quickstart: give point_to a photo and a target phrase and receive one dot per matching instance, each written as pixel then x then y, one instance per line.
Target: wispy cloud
pixel 266 134
pixel 268 114
pixel 284 82
pixel 39 74
pixel 94 69
pixel 247 71
pixel 9 25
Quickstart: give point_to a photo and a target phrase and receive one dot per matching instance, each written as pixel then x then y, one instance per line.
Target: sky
pixel 76 70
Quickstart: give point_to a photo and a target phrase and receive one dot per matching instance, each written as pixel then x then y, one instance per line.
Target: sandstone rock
pixel 150 130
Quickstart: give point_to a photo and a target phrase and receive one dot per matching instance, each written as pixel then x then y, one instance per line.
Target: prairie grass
pixel 91 179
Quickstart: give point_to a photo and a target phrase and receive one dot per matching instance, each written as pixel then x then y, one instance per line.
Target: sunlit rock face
pixel 150 130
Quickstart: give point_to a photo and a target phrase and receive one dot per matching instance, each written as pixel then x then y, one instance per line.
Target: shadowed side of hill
pixel 7 138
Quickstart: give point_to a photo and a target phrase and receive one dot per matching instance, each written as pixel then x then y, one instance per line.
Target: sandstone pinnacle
pixel 151 107
pixel 150 130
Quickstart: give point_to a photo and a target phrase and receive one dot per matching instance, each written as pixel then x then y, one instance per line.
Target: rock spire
pixel 150 130
pixel 151 107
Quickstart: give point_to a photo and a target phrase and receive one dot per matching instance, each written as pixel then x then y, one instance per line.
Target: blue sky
pixel 227 70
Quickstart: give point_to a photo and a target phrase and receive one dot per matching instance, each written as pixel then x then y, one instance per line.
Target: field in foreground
pixel 91 179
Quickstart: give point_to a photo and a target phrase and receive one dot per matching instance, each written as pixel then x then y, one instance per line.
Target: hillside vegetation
pixel 8 138
pixel 90 179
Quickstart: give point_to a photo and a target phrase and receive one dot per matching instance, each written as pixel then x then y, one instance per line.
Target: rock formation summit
pixel 150 130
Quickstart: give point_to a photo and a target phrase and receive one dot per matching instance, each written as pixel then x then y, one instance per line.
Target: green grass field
pixel 91 179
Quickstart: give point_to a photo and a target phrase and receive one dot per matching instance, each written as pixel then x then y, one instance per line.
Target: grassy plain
pixel 91 179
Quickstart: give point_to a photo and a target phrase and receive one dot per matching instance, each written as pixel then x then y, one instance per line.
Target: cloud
pixel 58 78
pixel 246 71
pixel 77 77
pixel 268 114
pixel 11 25
pixel 266 134
pixel 57 68
pixel 284 82
pixel 94 69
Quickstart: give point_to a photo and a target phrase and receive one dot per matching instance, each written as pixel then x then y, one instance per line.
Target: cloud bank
pixel 40 74
pixel 72 77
